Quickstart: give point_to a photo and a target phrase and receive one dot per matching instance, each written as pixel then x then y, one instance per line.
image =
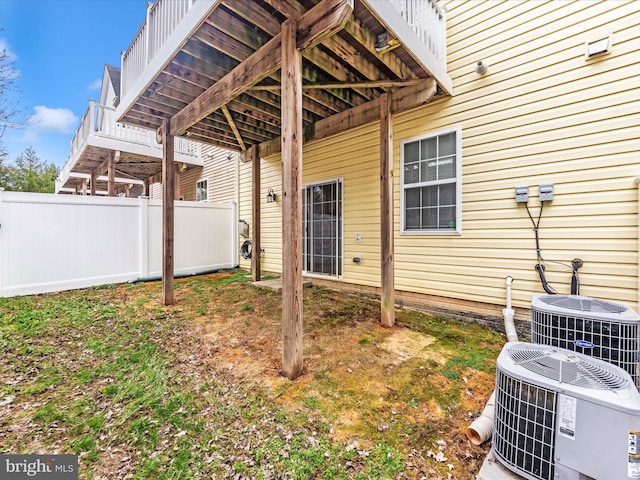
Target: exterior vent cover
pixel 597 328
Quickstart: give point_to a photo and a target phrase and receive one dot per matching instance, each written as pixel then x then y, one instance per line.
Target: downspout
pixel 481 428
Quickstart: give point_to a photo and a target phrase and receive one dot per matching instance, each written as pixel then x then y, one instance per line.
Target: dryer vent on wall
pixel 598 328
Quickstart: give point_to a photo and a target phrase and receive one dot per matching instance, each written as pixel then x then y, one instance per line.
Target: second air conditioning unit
pixel 598 328
pixel 564 416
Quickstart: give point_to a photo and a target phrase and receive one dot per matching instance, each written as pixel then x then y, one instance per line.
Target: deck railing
pixel 163 16
pixel 426 19
pixel 100 121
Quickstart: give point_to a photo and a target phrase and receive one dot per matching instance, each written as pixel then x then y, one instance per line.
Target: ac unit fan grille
pixel 524 426
pixel 583 304
pixel 611 341
pixel 567 368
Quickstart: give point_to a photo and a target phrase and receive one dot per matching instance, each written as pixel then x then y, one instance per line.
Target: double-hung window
pixel 431 184
pixel 202 190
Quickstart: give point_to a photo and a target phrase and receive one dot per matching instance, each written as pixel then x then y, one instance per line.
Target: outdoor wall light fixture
pixel 271 196
pixel 384 42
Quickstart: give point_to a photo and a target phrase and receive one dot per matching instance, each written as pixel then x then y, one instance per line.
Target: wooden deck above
pixel 100 135
pixel 213 66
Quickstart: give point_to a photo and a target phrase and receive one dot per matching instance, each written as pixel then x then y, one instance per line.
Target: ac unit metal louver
pixel 598 328
pixel 562 415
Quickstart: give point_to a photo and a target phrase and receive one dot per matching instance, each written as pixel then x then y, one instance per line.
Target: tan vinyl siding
pixel 271 213
pixel 188 181
pixel 219 169
pixel 155 191
pixel 348 156
pixel 543 113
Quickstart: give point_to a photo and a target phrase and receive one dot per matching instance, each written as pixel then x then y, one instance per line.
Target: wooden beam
pixel 321 22
pixel 292 364
pixel 414 96
pixel 401 100
pixel 354 117
pixel 111 172
pixel 157 178
pixel 234 128
pixel 261 64
pixel 176 179
pixel 317 24
pixel 103 167
pixel 168 186
pixel 94 179
pixel 387 280
pixel 252 156
pixel 372 84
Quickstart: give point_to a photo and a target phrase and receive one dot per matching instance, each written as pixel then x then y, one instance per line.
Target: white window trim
pixel 319 275
pixel 199 181
pixel 434 232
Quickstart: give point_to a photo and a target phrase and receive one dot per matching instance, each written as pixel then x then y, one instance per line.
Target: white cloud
pixel 4 46
pixel 97 83
pixel 61 120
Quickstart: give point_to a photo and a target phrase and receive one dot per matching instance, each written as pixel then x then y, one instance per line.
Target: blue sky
pixel 60 48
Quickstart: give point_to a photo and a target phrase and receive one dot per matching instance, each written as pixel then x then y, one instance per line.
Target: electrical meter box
pixel 522 194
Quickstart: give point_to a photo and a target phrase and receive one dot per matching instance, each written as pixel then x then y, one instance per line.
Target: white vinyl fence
pixel 50 243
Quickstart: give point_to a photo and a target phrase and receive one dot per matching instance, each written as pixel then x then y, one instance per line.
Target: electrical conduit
pixel 481 428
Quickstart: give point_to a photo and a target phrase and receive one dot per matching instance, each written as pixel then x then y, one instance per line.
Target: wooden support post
pixel 387 296
pixel 176 192
pixel 292 134
pixel 168 187
pixel 147 187
pixel 254 158
pixel 84 186
pixel 111 172
pixel 127 188
pixel 94 179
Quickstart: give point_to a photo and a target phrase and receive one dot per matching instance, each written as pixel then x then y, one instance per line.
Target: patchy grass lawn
pixel 140 390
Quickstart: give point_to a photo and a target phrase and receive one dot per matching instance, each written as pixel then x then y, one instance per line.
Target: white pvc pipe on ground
pixel 481 428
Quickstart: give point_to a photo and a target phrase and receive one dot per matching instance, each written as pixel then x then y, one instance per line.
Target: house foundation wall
pixel 485 314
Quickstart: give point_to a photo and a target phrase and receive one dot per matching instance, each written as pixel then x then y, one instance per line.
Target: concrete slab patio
pixel 276 284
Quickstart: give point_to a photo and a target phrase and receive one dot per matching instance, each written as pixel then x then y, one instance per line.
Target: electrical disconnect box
pixel 522 194
pixel 546 193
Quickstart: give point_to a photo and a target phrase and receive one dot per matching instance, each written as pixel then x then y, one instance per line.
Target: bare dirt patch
pixel 405 344
pixel 369 383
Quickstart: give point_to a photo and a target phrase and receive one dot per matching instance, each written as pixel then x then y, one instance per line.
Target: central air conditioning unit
pixel 598 328
pixel 564 416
